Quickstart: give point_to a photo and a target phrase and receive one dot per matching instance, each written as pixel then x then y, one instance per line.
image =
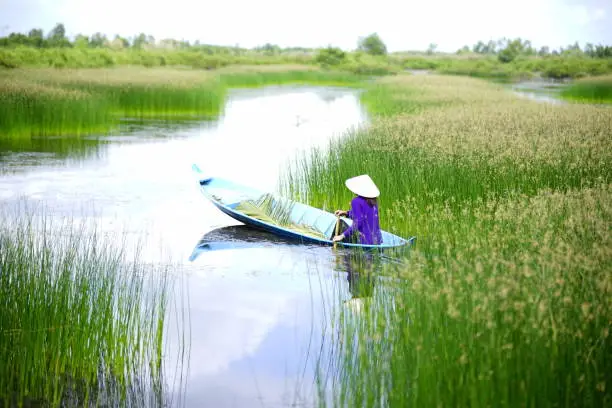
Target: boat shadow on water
pixel 237 237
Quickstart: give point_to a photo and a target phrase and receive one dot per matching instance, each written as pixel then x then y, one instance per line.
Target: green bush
pixel 106 57
pixel 330 56
pixel 420 63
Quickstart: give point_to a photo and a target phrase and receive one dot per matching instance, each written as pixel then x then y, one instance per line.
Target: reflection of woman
pixel 363 212
pixel 361 285
pixel 360 273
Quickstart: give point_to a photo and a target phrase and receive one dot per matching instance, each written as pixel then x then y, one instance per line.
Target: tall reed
pixel 443 154
pixel 590 90
pixel 505 300
pixel 38 103
pixel 516 312
pixel 81 323
pixel 32 109
pixel 295 76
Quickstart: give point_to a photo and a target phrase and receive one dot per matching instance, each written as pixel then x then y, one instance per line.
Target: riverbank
pixel 506 298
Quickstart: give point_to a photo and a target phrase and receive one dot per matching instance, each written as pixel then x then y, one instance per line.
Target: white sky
pixel 407 25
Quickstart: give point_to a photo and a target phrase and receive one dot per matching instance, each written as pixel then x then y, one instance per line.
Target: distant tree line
pixel 56 38
pixel 507 50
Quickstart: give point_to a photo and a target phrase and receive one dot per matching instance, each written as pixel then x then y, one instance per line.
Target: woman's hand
pixel 340 213
pixel 338 238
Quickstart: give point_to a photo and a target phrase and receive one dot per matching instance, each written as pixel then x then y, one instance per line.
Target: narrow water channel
pixel 540 90
pixel 256 309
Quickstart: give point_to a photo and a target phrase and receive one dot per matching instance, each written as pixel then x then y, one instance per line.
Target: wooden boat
pixel 304 223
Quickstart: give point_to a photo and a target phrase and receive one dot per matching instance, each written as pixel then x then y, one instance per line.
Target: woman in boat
pixel 363 212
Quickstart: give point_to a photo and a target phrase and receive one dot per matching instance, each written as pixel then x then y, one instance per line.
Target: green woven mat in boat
pixel 268 210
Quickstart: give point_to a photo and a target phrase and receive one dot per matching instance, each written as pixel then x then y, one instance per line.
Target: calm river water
pixel 257 310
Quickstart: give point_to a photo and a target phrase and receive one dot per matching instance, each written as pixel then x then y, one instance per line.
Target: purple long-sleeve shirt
pixel 365 221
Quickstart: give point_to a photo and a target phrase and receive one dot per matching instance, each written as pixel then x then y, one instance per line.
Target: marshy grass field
pixel 82 323
pixel 506 300
pixel 594 89
pixel 37 103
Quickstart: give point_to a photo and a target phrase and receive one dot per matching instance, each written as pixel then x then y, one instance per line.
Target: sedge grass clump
pixel 29 109
pixel 410 94
pixel 517 313
pixel 460 140
pixel 505 301
pixel 121 76
pixel 308 76
pixel 198 57
pixel 143 93
pixel 161 101
pixel 74 102
pixel 81 323
pixel 590 90
pixel 175 92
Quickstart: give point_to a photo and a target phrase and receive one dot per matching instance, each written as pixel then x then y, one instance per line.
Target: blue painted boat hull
pixel 226 195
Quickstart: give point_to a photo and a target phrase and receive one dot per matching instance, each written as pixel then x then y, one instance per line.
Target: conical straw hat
pixel 363 186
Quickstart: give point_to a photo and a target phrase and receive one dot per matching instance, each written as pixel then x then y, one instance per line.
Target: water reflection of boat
pixel 363 268
pixel 241 234
pixel 237 237
pixel 245 236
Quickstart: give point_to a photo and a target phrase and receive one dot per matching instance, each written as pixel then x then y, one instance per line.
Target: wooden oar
pixel 337 228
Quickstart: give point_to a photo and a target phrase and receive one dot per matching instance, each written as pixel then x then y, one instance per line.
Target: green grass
pixel 483 66
pixel 161 101
pixel 426 145
pixel 505 300
pixel 74 102
pixel 41 103
pixel 36 110
pixel 309 77
pixel 592 90
pixel 515 314
pixel 80 322
pixel 383 100
pixel 490 67
pixel 429 177
pixel 26 57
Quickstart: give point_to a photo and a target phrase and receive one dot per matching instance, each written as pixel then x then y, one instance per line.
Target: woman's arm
pixel 354 214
